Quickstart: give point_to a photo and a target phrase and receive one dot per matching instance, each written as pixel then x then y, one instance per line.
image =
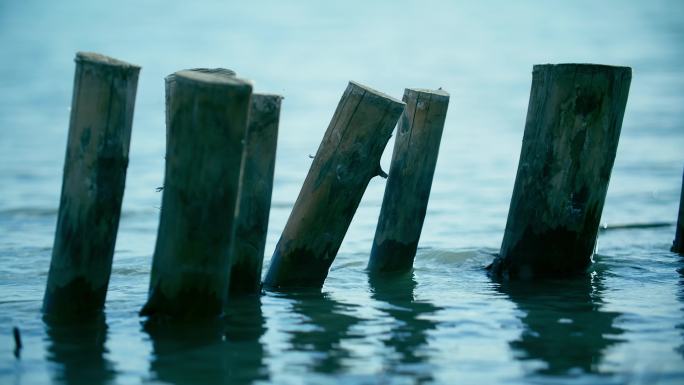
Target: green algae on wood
pixel 254 198
pixel 207 121
pixel 571 136
pixel 346 160
pixel 410 178
pixel 93 185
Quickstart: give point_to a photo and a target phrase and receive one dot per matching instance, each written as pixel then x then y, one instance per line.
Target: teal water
pixel 446 322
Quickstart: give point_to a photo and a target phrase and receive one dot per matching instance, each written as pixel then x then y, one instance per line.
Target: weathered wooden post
pixel 571 136
pixel 92 186
pixel 348 157
pixel 208 115
pixel 410 179
pixel 254 198
pixel 678 244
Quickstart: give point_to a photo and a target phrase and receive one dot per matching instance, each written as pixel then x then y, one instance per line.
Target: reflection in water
pixel 78 349
pixel 680 296
pixel 328 324
pixel 226 351
pixel 565 325
pixel 410 335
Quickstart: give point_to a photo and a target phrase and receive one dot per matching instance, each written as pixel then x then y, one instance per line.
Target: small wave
pixel 454 257
pixel 632 226
pixel 29 212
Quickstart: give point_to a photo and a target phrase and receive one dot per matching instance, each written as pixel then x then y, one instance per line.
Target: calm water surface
pixel 444 323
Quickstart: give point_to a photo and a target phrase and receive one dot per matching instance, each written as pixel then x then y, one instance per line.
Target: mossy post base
pixel 346 160
pixel 678 244
pixel 571 136
pixel 207 119
pixel 410 179
pixel 254 199
pixel 93 185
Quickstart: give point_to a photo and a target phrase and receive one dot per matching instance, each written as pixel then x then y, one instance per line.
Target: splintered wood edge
pixel 217 71
pixel 221 71
pixel 375 92
pixel 96 58
pixel 439 94
pixel 584 67
pixel 209 79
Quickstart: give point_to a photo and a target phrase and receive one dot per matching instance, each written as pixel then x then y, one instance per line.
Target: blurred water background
pixel 447 322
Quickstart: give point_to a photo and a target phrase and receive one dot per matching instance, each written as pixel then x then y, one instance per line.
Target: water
pixel 446 322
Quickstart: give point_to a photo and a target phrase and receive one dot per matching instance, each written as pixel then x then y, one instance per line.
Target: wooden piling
pixel 208 115
pixel 348 157
pixel 678 244
pixel 93 185
pixel 410 179
pixel 571 136
pixel 254 198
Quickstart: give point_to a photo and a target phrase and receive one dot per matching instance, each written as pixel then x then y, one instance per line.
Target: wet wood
pixel 93 185
pixel 410 179
pixel 346 160
pixel 571 136
pixel 254 199
pixel 678 244
pixel 207 116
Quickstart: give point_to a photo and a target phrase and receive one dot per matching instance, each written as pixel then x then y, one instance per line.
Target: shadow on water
pixel 565 325
pixel 221 351
pixel 409 335
pixel 78 350
pixel 327 323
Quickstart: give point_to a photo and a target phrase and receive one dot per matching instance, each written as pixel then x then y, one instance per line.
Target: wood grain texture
pixel 571 136
pixel 254 198
pixel 208 115
pixel 678 244
pixel 93 185
pixel 410 178
pixel 346 160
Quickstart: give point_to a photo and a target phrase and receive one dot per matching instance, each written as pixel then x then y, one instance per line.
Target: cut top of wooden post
pixel 171 83
pixel 99 59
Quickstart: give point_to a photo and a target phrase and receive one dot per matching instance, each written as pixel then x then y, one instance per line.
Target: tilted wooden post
pixel 93 185
pixel 208 115
pixel 678 244
pixel 571 136
pixel 254 199
pixel 347 159
pixel 409 182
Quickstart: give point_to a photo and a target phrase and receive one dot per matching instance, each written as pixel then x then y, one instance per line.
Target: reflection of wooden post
pixel 678 244
pixel 93 185
pixel 348 157
pixel 254 199
pixel 571 136
pixel 207 124
pixel 410 178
